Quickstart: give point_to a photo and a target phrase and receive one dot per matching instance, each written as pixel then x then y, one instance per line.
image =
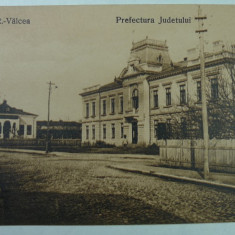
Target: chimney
pixel 233 48
pixel 192 54
pixel 218 46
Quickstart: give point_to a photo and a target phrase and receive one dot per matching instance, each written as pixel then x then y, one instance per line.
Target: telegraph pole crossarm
pixel 200 31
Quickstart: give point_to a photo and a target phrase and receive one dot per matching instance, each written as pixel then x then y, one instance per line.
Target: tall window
pixel 135 99
pixel 29 130
pixel 104 107
pixel 168 128
pixel 155 99
pixel 104 131
pixel 155 128
pixel 87 132
pixel 21 130
pixel 161 132
pixel 87 109
pixel 121 104
pixel 113 131
pixel 122 130
pixel 93 109
pixel 214 88
pixel 182 94
pixel 199 91
pixel 93 132
pixel 168 96
pixel 112 106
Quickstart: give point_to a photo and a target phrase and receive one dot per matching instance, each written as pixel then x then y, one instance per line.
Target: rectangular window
pixel 87 132
pixel 112 106
pixel 29 130
pixel 168 96
pixel 87 110
pixel 135 99
pixel 155 128
pixel 121 104
pixel 21 130
pixel 161 131
pixel 93 132
pixel 113 131
pixel 214 88
pixel 93 109
pixel 168 128
pixel 122 130
pixel 104 131
pixel 155 99
pixel 182 94
pixel 199 91
pixel 104 107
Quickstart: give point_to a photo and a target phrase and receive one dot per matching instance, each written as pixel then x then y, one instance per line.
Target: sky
pixel 80 46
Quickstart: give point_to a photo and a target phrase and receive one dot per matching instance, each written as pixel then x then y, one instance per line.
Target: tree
pixel 220 105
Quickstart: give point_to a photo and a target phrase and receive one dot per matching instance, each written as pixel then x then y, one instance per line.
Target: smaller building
pixel 59 130
pixel 15 123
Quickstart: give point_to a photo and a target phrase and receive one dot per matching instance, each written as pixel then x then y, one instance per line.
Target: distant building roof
pixel 59 123
pixel 7 109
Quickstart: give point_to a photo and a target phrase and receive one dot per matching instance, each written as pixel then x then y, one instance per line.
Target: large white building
pixel 15 123
pixel 149 93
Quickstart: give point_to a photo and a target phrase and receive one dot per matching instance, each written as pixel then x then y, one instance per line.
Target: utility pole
pixel 48 115
pixel 200 32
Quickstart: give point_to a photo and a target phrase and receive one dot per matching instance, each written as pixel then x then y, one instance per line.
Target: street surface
pixel 79 189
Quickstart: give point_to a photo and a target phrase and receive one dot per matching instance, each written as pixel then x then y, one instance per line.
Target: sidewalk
pixel 224 180
pixel 29 151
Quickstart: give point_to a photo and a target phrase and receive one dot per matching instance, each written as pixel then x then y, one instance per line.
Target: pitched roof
pixel 7 109
pixel 110 86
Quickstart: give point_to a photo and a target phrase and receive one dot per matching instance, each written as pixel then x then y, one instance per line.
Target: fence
pixel 39 144
pixel 190 154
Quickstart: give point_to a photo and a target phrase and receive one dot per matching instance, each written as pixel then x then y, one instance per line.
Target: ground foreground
pixel 79 189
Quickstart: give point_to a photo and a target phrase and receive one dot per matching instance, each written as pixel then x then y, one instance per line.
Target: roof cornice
pixel 183 70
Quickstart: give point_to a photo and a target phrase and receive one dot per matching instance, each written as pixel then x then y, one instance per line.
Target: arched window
pixel 160 58
pixel 135 99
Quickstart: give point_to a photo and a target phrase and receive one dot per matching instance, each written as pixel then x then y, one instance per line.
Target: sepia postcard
pixel 117 115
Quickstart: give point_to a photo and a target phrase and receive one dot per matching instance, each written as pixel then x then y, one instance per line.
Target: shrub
pixel 102 144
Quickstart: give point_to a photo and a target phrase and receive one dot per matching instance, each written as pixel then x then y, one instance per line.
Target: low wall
pixel 190 154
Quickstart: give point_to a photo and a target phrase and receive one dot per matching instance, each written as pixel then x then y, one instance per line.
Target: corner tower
pixel 150 55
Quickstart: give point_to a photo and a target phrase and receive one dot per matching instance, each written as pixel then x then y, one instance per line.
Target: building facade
pixel 15 123
pixel 147 99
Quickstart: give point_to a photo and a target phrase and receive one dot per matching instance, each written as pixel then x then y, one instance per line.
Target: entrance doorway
pixel 6 130
pixel 134 133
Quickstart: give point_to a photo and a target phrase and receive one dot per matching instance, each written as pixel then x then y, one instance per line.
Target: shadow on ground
pixel 41 208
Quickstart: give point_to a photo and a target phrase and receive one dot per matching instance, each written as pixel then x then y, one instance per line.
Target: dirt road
pixel 78 189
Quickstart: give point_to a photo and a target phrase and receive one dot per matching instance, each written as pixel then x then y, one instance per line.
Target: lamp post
pixel 48 115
